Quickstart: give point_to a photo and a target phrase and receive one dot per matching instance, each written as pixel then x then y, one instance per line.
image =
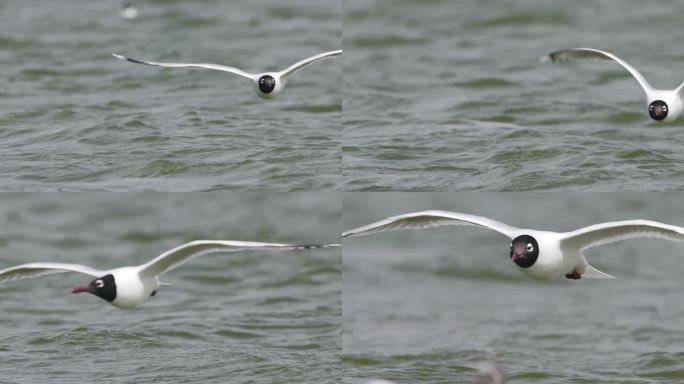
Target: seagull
pixel 128 287
pixel 488 374
pixel 128 10
pixel 543 255
pixel 663 104
pixel 268 84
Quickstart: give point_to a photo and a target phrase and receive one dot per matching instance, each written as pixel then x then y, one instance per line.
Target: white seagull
pixel 541 254
pixel 128 287
pixel 663 104
pixel 268 84
pixel 128 10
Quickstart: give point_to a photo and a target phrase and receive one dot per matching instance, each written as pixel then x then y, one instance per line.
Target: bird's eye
pixel 510 246
pixel 530 247
pixel 99 283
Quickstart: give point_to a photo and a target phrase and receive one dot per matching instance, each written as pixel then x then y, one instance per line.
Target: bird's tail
pixel 593 273
pixel 679 89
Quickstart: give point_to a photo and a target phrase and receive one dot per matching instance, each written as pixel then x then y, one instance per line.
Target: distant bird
pixel 663 105
pixel 128 10
pixel 268 84
pixel 540 254
pixel 128 287
pixel 488 374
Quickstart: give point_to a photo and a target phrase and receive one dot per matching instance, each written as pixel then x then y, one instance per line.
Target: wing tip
pixel 546 59
pixel 580 54
pixel 556 56
pixel 316 246
pixel 126 58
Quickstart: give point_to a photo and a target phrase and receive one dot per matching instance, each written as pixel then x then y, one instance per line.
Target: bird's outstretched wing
pixel 181 254
pixel 429 219
pixel 310 60
pixel 590 54
pixel 31 270
pixel 605 233
pixel 189 65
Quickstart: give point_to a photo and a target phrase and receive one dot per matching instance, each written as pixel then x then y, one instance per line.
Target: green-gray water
pixel 438 96
pixel 450 96
pixel 244 317
pixel 428 306
pixel 75 118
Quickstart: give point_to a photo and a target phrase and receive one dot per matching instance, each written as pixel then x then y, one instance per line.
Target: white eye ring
pixel 530 247
pixel 510 246
pixel 99 283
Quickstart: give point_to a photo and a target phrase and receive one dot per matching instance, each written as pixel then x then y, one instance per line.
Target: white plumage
pixel 128 287
pixel 555 254
pixel 268 84
pixel 663 104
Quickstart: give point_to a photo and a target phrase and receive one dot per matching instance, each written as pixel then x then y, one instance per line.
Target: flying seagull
pixel 663 104
pixel 267 84
pixel 540 254
pixel 128 287
pixel 128 9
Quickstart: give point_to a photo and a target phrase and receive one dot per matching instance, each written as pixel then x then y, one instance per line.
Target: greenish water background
pixel 244 317
pixel 429 306
pixel 72 117
pixel 450 96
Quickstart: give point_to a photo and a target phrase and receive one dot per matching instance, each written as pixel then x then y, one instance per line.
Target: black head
pixel 658 110
pixel 103 287
pixel 267 83
pixel 524 251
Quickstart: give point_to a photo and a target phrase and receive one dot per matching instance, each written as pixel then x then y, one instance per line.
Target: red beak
pixel 85 288
pixel 516 257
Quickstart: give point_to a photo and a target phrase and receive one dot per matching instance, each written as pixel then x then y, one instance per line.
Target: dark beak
pixel 85 288
pixel 516 256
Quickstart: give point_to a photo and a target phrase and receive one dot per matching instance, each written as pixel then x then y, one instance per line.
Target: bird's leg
pixel 574 275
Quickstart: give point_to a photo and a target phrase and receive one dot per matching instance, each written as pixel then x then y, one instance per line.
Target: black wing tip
pixel 554 57
pixel 126 58
pixel 561 57
pixel 315 246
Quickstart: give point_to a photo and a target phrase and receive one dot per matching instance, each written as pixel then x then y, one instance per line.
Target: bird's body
pixel 132 287
pixel 267 84
pixel 540 254
pixel 662 104
pixel 128 9
pixel 129 287
pixel 553 263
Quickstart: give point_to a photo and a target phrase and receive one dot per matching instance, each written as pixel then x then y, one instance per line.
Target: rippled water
pixel 245 317
pixel 429 306
pixel 450 96
pixel 75 118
